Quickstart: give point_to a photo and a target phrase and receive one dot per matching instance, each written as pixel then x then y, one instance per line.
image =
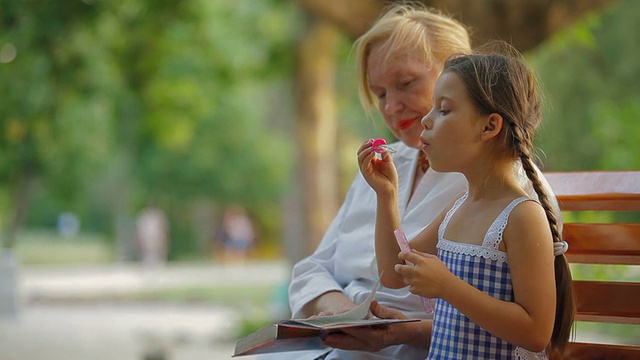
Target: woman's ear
pixel 492 126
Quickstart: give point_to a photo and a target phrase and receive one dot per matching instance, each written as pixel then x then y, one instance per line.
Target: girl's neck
pixel 494 180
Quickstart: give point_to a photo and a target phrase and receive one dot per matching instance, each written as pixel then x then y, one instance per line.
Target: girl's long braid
pixel 565 303
pixel 524 152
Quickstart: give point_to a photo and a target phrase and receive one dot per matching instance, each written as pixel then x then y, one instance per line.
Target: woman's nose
pixel 393 104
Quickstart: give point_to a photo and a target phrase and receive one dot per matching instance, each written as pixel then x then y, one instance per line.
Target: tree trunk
pixel 10 299
pixel 353 17
pixel 317 128
pixel 20 206
pixel 523 23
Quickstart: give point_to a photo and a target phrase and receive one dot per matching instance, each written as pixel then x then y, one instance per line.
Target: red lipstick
pixel 405 124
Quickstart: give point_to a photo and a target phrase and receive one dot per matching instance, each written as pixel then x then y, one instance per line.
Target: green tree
pixel 48 106
pixel 130 103
pixel 589 72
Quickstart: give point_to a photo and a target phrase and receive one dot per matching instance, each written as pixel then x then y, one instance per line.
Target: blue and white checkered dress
pixel 454 335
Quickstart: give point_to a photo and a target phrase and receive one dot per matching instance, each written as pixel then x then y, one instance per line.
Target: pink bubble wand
pixel 404 246
pixel 380 146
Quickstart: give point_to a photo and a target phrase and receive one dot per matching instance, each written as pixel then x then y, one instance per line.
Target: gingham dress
pixel 454 335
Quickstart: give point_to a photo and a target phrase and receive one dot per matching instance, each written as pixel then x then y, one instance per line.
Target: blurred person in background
pixel 237 233
pixel 152 229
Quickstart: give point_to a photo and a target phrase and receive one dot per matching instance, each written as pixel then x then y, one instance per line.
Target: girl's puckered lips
pixel 406 123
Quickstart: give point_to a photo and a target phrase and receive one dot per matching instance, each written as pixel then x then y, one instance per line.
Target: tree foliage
pixel 589 72
pixel 113 105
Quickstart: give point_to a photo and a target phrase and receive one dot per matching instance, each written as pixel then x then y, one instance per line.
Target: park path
pixel 49 327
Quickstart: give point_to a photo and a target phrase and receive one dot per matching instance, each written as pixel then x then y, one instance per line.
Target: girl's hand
pixel 428 276
pixel 380 174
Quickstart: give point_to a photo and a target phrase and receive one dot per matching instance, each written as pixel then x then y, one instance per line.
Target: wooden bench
pixel 602 243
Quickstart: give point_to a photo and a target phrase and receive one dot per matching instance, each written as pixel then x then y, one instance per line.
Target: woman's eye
pixel 405 83
pixel 443 112
pixel 381 95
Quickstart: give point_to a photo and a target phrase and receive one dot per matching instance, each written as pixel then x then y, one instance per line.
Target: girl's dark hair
pixel 503 84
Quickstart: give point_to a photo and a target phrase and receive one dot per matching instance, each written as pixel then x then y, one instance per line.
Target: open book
pixel 307 334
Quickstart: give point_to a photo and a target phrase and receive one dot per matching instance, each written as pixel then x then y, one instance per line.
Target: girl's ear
pixel 492 126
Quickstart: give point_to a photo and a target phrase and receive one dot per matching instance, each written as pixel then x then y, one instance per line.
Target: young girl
pixel 501 281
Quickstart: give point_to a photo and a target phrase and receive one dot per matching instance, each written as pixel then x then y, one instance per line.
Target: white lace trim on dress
pixel 473 250
pixel 493 237
pixel 522 354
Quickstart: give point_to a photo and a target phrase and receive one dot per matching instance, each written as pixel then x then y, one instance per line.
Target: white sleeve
pixel 315 274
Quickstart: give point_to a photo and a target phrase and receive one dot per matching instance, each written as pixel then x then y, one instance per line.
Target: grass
pixel 48 248
pixel 233 296
pixel 626 334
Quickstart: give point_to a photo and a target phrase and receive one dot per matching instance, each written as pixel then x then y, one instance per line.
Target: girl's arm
pixel 425 242
pixel 382 176
pixel 526 322
pixel 387 249
pixel 386 246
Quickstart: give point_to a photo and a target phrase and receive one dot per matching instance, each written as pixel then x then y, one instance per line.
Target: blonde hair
pixel 409 27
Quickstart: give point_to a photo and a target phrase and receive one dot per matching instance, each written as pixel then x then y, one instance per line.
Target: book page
pixel 360 312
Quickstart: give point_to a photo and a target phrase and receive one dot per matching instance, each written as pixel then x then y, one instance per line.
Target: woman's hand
pixel 374 338
pixel 336 311
pixel 380 174
pixel 428 276
pixel 329 303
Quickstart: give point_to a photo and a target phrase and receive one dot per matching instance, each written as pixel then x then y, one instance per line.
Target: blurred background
pixel 164 163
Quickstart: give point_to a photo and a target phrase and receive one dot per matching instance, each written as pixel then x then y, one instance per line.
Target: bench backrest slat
pixel 604 301
pixel 615 243
pixel 608 301
pixel 586 351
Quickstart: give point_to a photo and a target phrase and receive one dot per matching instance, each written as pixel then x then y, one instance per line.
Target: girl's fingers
pixel 365 145
pixel 423 254
pixel 365 153
pixel 414 256
pixel 403 269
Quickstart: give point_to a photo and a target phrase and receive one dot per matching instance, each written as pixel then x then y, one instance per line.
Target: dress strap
pixel 493 237
pixel 445 222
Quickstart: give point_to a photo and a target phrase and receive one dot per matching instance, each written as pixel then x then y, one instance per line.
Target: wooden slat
pixel 588 351
pixel 611 202
pixel 616 243
pixel 596 190
pixel 601 301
